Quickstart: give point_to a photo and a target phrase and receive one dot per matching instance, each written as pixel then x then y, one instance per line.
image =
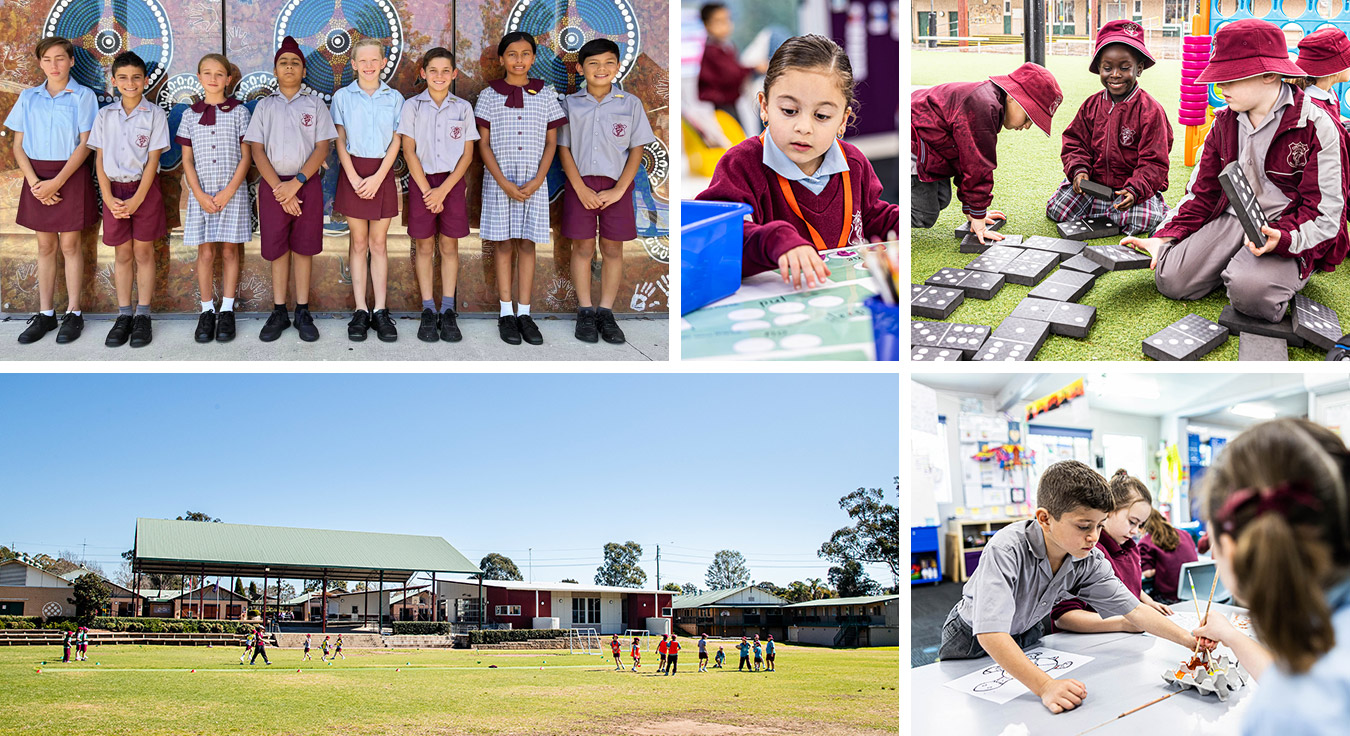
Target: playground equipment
pixel 1199 101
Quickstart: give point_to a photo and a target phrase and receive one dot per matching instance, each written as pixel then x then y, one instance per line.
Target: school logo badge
pixel 142 140
pixel 1054 105
pixel 307 120
pixel 619 130
pixel 1130 28
pixel 456 132
pixel 855 236
pixel 1126 136
pixel 1298 155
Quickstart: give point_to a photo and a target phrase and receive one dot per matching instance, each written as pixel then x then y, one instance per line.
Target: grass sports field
pixel 1129 307
pixel 150 690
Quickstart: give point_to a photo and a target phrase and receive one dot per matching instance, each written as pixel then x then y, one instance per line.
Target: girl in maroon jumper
pixel 1120 138
pixel 1162 552
pixel 1133 502
pixel 810 190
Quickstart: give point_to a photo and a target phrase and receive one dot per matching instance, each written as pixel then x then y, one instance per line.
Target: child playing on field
pixel 1324 56
pixel 1162 552
pixel 337 650
pixel 661 649
pixel 1120 138
pixel 745 655
pixel 83 647
pixel 51 124
pixel 248 647
pixel 291 133
pixel 614 646
pixel 768 654
pixel 953 134
pixel 216 161
pixel 719 659
pixel 307 656
pixel 259 647
pixel 366 112
pixel 759 654
pixel 1022 573
pixel 436 128
pixel 636 653
pixel 600 149
pixel 65 646
pixel 129 140
pixel 1290 151
pixel 517 120
pixel 703 653
pixel 672 655
pixel 1132 502
pixel 810 190
pixel 323 656
pixel 1276 503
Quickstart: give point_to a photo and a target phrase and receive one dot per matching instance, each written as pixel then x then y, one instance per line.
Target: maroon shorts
pixel 383 204
pixel 616 222
pixel 147 224
pixel 77 210
pixel 453 219
pixel 282 232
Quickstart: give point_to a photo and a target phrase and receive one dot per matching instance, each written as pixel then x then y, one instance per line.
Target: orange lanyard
pixel 845 229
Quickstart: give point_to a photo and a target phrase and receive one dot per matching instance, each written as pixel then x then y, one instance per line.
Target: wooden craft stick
pixel 1128 712
pixel 1212 586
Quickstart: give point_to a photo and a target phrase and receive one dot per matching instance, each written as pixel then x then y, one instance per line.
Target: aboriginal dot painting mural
pixel 171 35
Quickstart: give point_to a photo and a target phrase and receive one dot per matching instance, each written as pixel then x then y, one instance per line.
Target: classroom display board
pixel 171 37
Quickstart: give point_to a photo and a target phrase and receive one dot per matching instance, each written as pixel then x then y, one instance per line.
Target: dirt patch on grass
pixel 687 727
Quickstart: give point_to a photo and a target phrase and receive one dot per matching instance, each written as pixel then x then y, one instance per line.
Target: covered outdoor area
pixel 277 554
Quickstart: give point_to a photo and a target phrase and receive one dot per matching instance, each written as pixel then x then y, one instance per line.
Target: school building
pixel 734 612
pixel 996 20
pixel 522 605
pixel 835 622
pixel 28 590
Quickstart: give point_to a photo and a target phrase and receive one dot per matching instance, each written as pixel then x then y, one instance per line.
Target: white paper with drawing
pixel 997 686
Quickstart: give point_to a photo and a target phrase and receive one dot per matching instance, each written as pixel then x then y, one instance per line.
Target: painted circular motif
pixel 179 93
pixel 101 31
pixel 562 27
pixel 52 608
pixel 327 30
pixel 656 162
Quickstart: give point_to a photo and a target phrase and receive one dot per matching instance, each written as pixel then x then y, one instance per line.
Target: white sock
pixel 522 310
pixel 76 313
pixel 49 312
pixel 506 309
pixel 227 304
pixel 208 307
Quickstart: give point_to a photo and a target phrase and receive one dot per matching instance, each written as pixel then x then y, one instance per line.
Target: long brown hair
pixel 1163 534
pixel 1279 491
pixel 1127 490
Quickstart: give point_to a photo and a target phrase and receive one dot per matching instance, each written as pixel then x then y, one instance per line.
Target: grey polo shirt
pixel 1012 588
pixel 1253 142
pixel 127 140
pixel 290 129
pixel 599 133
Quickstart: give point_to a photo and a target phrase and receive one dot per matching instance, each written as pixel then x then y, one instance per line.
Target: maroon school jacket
pixel 741 176
pixel 1166 566
pixel 954 131
pixel 720 74
pixel 1308 164
pixel 1333 108
pixel 1123 145
pixel 1124 559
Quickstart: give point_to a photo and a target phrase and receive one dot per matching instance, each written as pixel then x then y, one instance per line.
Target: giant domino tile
pixel 1189 338
pixel 948 335
pixel 976 284
pixel 1315 322
pixel 1014 339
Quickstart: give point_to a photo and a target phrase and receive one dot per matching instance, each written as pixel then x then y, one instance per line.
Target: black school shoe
pixel 120 332
pixel 586 330
pixel 206 327
pixel 529 330
pixel 449 329
pixel 384 326
pixel 277 322
pixel 140 331
pixel 304 322
pixel 225 326
pixel 426 331
pixel 359 326
pixel 38 326
pixel 509 329
pixel 609 328
pixel 71 327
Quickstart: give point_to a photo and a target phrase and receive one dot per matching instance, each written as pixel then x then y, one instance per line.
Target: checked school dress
pixel 215 153
pixel 518 120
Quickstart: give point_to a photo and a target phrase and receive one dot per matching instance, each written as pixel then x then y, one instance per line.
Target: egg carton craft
pixel 1219 676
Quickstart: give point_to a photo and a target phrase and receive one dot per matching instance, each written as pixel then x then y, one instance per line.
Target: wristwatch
pixel 300 177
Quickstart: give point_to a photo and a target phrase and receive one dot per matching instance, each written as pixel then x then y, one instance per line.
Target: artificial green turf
pixel 1129 307
pixel 137 690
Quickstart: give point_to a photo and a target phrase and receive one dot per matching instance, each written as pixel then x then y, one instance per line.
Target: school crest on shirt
pixel 619 130
pixel 1298 155
pixel 1126 136
pixel 855 234
pixel 142 140
pixel 456 132
pixel 307 120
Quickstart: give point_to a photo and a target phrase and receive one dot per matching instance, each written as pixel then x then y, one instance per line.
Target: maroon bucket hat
pixel 1324 52
pixel 1121 31
pixel 1035 89
pixel 1248 48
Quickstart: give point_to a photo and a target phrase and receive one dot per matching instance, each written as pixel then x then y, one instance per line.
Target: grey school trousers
pixel 927 200
pixel 959 642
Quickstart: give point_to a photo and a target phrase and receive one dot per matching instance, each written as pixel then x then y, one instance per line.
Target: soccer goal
pixel 643 635
pixel 583 641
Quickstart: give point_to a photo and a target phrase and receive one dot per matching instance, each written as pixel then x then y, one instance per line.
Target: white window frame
pixel 508 610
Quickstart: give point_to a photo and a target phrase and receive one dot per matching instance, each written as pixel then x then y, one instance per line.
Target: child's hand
pixel 292 206
pixel 222 198
pixel 1146 245
pixel 1217 628
pixel 45 189
pixel 51 201
pixel 129 206
pixel 287 190
pixel 608 197
pixel 978 225
pixel 1125 199
pixel 370 186
pixel 434 200
pixel 207 203
pixel 1061 695
pixel 1160 608
pixel 589 199
pixel 514 192
pixel 531 187
pixel 1272 240
pixel 802 267
pixel 1082 175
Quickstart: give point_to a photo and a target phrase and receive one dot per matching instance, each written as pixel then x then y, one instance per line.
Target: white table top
pixel 1126 672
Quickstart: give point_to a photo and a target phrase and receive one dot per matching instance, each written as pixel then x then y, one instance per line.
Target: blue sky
pixel 562 463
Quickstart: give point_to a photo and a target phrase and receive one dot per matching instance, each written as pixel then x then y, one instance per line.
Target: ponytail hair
pixel 1279 490
pixel 1161 531
pixel 1127 490
pixel 812 52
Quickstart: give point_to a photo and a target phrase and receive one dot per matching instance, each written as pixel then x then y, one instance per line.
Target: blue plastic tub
pixel 885 327
pixel 712 235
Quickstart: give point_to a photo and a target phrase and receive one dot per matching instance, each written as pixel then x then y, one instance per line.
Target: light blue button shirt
pixel 1315 703
pixel 51 126
pixel 834 163
pixel 368 120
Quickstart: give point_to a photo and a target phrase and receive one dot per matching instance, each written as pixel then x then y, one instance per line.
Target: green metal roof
pixel 169 546
pixel 866 600
pixel 703 600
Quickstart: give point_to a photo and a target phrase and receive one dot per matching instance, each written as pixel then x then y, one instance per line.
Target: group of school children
pixel 1278 515
pixel 1281 123
pixel 325 645
pixel 669 651
pixel 598 132
pixel 78 641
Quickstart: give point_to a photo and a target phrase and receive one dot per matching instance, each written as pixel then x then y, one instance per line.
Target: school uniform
pixel 1123 145
pixel 126 141
pixel 1013 589
pixel 1125 563
pixel 721 76
pixel 214 133
pixel 846 210
pixel 441 133
pixel 369 121
pixel 289 130
pixel 51 128
pixel 518 119
pixel 599 134
pixel 1166 566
